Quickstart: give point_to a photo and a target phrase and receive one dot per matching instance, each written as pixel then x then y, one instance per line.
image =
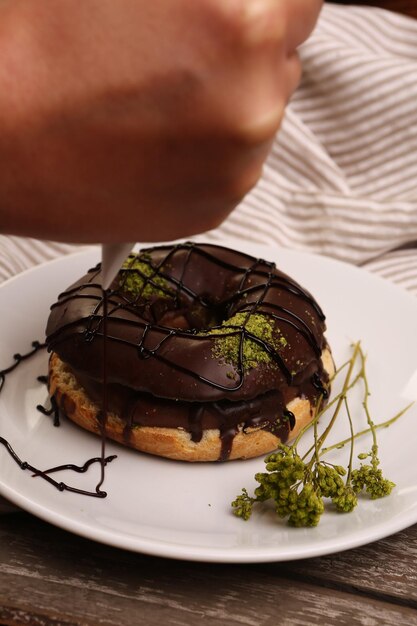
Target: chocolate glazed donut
pixel 212 354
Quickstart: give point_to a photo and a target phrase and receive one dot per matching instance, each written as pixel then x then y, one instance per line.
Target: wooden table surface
pixel 49 577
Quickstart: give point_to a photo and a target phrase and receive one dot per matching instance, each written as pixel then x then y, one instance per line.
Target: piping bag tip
pixel 112 257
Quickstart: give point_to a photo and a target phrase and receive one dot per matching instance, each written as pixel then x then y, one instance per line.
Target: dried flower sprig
pixel 298 486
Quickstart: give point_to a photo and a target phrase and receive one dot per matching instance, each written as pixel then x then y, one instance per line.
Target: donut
pixel 211 354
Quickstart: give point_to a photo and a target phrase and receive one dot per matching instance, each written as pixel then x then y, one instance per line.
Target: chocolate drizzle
pixel 54 410
pixel 102 419
pixel 45 474
pixel 318 384
pixel 18 358
pixel 161 346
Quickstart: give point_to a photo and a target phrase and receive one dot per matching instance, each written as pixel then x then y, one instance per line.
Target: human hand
pixel 130 119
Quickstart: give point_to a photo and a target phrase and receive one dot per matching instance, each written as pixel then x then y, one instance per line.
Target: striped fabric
pixel 341 179
pixel 342 176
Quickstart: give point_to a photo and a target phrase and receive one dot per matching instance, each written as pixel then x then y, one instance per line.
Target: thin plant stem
pixel 366 431
pixel 338 400
pixel 352 439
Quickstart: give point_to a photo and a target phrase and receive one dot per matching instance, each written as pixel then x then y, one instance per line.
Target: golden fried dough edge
pixel 170 443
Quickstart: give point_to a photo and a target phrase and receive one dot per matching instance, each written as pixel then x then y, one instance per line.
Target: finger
pixel 292 71
pixel 263 22
pixel 300 17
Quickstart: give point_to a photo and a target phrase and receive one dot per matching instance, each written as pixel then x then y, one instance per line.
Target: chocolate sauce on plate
pixel 45 474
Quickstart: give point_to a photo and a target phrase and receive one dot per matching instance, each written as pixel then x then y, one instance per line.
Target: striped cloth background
pixel 341 179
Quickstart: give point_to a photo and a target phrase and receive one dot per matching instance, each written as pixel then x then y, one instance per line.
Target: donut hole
pixel 176 314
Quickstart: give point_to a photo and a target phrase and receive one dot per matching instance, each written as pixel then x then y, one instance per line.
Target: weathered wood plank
pixel 56 577
pixel 11 617
pixel 210 595
pixel 386 568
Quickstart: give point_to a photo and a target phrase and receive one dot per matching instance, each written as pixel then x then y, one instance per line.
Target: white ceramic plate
pixel 180 510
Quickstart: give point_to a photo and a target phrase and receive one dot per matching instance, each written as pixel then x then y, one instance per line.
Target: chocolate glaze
pixel 161 368
pixel 266 411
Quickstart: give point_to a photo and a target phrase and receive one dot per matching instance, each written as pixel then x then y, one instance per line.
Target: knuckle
pixel 261 128
pixel 252 22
